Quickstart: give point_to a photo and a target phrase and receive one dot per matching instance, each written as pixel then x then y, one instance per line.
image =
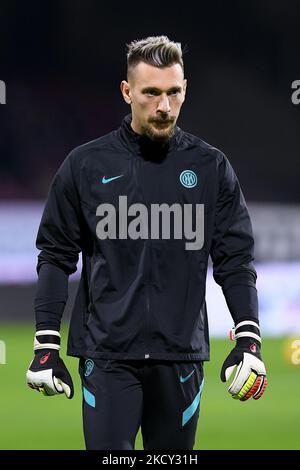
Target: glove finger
pixel 241 376
pixel 253 389
pixel 66 383
pixel 34 387
pixel 63 387
pixel 230 370
pixel 68 391
pixel 226 372
pixel 262 388
pixel 48 389
pixel 31 386
pixel 57 385
pixel 246 387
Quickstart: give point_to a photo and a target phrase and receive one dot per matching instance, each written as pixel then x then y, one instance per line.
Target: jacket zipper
pixel 146 354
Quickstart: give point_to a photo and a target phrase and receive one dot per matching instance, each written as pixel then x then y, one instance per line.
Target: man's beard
pixel 148 131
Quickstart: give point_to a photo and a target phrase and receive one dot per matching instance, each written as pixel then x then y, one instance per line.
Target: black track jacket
pixel 145 298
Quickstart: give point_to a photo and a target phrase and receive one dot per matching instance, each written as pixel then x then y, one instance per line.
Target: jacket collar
pixel 137 142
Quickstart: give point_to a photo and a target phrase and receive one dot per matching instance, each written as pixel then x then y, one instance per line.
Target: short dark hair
pixel 153 50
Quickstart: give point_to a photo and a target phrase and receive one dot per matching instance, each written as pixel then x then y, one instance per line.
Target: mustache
pixel 163 121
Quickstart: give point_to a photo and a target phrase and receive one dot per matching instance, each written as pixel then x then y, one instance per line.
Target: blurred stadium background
pixel 62 67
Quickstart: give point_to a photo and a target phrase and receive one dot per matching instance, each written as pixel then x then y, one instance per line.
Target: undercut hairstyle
pixel 153 50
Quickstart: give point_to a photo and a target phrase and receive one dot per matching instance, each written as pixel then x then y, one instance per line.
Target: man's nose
pixel 164 105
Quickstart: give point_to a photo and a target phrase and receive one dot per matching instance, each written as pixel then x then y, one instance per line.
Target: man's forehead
pixel 146 75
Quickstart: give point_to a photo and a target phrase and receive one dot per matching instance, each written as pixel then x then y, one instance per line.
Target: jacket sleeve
pixel 59 236
pixel 59 240
pixel 232 247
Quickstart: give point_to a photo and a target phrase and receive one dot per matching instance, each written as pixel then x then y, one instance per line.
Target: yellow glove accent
pixel 245 389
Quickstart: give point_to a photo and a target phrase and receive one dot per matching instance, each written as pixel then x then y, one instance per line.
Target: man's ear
pixel 125 90
pixel 184 87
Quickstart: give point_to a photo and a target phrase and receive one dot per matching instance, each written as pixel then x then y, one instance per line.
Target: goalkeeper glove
pixel 250 378
pixel 47 372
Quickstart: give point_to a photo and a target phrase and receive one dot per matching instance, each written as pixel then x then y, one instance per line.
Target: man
pixel 130 202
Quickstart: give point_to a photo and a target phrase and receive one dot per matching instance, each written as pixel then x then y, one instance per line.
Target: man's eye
pixel 152 93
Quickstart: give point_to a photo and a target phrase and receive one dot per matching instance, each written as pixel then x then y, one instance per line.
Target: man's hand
pixel 47 372
pixel 250 378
